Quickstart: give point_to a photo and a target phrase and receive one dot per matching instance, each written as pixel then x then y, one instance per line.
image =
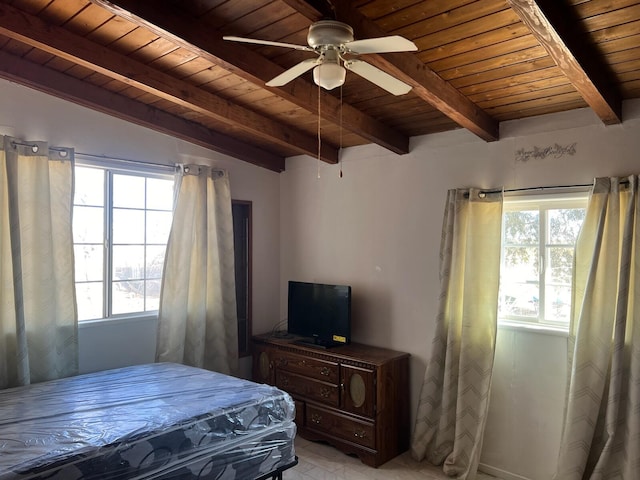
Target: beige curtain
pixel 453 403
pixel 38 318
pixel 601 433
pixel 198 317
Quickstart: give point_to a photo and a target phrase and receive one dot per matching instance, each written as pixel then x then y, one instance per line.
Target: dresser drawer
pixel 309 367
pixel 294 384
pixel 347 428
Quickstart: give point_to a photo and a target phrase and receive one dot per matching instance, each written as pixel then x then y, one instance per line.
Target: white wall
pixel 31 115
pixel 378 229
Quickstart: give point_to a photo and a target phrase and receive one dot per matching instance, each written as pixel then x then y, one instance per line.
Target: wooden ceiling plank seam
pixel 610 18
pixel 483 40
pixel 615 32
pixel 510 74
pixel 416 12
pixel 592 9
pixel 229 12
pixel 547 92
pixel 506 47
pixel 478 95
pixel 287 29
pixel 153 51
pixel 258 18
pixel 255 68
pixel 472 28
pixel 533 111
pixel 425 82
pixel 522 56
pixel 464 17
pixel 579 61
pixel 54 83
pixel 59 12
pixel 86 20
pixel 63 43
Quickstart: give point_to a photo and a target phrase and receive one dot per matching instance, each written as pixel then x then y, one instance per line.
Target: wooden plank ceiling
pixel 164 65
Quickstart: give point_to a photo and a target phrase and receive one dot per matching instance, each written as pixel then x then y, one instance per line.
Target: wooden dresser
pixel 356 397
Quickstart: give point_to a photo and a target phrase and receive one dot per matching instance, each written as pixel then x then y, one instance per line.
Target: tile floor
pixel 318 461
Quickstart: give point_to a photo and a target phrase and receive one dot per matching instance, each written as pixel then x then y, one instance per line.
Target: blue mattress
pixel 163 421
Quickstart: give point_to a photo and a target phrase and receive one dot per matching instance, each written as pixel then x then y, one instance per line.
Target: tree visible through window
pixel 538 241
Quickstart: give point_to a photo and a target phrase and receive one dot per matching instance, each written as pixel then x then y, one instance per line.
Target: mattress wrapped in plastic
pixel 163 420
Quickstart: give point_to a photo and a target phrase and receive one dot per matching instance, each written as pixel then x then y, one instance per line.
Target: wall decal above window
pixel 540 153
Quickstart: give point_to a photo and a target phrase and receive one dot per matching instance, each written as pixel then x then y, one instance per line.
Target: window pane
pixel 128 263
pixel 128 191
pixel 128 226
pixel 519 299
pixel 155 262
pixel 153 295
pixel 521 227
pixel 89 186
pixel 564 225
pixel 558 303
pixel 90 300
pixel 560 266
pixel 88 224
pixel 520 264
pixel 88 262
pixel 159 194
pixel 158 226
pixel 128 297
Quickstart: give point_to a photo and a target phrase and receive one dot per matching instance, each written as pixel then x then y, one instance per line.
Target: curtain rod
pixel 550 187
pixel 127 160
pixel 34 147
pixel 526 189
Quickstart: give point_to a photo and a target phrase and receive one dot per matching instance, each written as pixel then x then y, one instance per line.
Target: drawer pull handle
pixel 315 418
pixel 325 392
pixel 360 434
pixel 325 371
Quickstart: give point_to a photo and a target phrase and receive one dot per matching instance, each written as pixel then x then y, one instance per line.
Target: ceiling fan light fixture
pixel 329 75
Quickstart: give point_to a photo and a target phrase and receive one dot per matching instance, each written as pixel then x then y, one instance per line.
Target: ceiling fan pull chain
pixel 319 137
pixel 340 148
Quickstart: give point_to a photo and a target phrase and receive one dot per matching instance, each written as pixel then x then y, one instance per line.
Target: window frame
pixel 543 203
pixel 113 167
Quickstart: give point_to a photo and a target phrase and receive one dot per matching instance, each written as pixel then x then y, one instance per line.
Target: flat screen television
pixel 320 313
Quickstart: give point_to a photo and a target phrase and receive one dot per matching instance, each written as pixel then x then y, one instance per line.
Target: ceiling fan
pixel 335 46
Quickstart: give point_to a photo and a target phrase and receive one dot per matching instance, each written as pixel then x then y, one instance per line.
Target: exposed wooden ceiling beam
pixel 173 25
pixel 58 41
pixel 63 86
pixel 558 30
pixel 425 82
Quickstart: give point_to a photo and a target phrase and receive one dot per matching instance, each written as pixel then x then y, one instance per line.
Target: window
pixel 538 240
pixel 121 223
pixel 242 247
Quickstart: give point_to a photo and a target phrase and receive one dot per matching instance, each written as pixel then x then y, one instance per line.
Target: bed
pixel 160 421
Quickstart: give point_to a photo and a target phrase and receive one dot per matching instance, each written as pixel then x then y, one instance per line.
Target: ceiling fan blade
pixel 269 43
pixel 394 43
pixel 378 77
pixel 294 72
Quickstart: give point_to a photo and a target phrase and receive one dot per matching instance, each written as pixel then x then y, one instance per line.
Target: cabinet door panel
pixel 358 390
pixel 263 366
